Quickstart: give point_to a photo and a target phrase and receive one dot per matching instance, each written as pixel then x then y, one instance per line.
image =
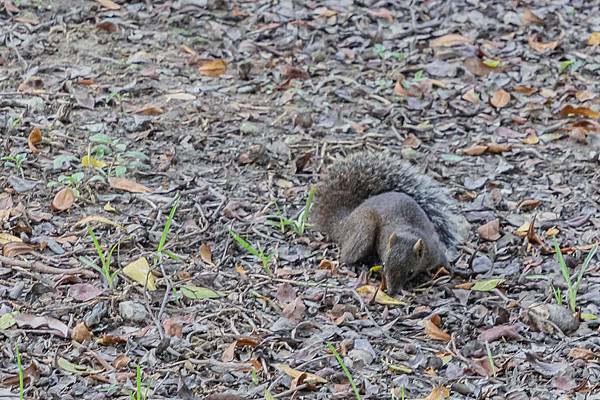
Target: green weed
pixel 300 223
pixel 572 286
pixel 256 252
pixel 347 372
pixel 21 374
pixel 139 393
pixel 105 260
pixel 490 359
pixel 15 161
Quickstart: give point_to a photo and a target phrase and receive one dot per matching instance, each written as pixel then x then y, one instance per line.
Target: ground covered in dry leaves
pixel 115 115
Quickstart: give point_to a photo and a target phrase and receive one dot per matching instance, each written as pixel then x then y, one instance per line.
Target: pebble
pixel 132 311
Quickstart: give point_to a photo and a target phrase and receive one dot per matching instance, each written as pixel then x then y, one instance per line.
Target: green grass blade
pixel 245 245
pixel 561 262
pixel 167 228
pixel 21 374
pixel 345 369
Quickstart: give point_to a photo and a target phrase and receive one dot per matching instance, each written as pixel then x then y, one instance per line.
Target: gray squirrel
pixel 376 206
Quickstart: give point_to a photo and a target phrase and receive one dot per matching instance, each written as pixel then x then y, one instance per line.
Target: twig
pixel 43 268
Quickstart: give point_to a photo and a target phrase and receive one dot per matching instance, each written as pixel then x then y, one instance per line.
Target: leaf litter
pixel 236 107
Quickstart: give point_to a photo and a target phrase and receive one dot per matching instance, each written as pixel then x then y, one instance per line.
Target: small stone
pixel 132 311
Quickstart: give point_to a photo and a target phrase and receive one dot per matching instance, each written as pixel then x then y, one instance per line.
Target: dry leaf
pixel 8 238
pixel 383 14
pixel 150 110
pixel 63 200
pixel 107 26
pixel 584 95
pixel 109 4
pixel 127 185
pixel 583 354
pixel 381 297
pixel 449 40
pixel 569 110
pixel 529 17
pixel 213 68
pixel 81 333
pixel 496 148
pixel 471 96
pixel 95 218
pixel 139 271
pixel 500 99
pixel 120 362
pixel 490 231
pixel 33 84
pixel 434 332
pixel 594 39
pixel 290 72
pixel 180 96
pixel 526 90
pixel 438 393
pixel 475 150
pixel 294 373
pixel 35 137
pixel 206 254
pixel 325 12
pixel 16 248
pixel 541 47
pixel 532 138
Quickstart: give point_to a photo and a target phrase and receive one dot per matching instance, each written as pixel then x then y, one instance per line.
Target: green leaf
pixel 101 138
pixel 7 320
pixel 63 161
pixel 491 63
pixel 487 285
pixel 200 293
pixel 588 317
pixel 68 366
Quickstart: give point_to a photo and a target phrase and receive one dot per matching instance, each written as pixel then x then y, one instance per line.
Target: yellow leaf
pixel 588 317
pixel 376 268
pixel 380 296
pixel 108 207
pixel 522 230
pixel 594 39
pixel 491 63
pixel 8 238
pixel 91 161
pixel 294 373
pixel 552 231
pixel 532 138
pixel 139 271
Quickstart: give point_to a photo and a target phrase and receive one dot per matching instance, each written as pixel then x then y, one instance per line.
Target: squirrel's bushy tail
pixel 352 180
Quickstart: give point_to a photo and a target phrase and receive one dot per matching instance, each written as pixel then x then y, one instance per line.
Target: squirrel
pixel 376 206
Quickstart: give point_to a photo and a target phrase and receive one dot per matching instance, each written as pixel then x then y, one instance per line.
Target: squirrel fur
pixel 376 206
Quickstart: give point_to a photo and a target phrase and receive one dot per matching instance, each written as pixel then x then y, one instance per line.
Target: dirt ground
pixel 223 114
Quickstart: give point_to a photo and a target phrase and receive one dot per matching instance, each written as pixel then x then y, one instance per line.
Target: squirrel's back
pixel 352 180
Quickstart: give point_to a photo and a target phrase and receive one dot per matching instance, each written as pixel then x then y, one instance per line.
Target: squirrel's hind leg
pixel 357 236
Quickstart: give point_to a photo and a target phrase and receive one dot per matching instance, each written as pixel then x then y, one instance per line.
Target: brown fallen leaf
pixel 477 67
pixel 213 68
pixel 290 72
pixel 529 204
pixel 438 393
pixel 35 137
pixel 475 150
pixel 583 354
pixel 471 96
pixel 107 26
pixel 206 254
pixel 526 90
pixel 294 373
pixel 150 110
pixel 541 47
pixel 383 14
pixel 127 185
pixel 500 331
pixel 594 39
pixel 490 231
pixel 435 332
pixel 109 4
pixel 13 249
pixel 570 110
pixel 63 200
pixel 120 362
pixel 584 95
pixel 81 333
pixel 529 17
pixel 497 148
pixel 500 99
pixel 32 85
pixel 449 40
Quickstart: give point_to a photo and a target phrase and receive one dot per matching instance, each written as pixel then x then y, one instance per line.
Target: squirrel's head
pixel 405 258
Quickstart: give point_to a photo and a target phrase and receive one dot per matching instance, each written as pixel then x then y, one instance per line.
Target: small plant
pixel 265 259
pixel 268 395
pixel 139 392
pixel 105 260
pixel 299 224
pixel 566 65
pixel 558 296
pixel 73 181
pixel 160 248
pixel 418 76
pixel 572 287
pixel 342 364
pixel 21 374
pixel 490 359
pixel 15 161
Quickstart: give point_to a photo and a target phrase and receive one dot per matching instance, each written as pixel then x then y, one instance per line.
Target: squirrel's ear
pixel 419 248
pixel 392 240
